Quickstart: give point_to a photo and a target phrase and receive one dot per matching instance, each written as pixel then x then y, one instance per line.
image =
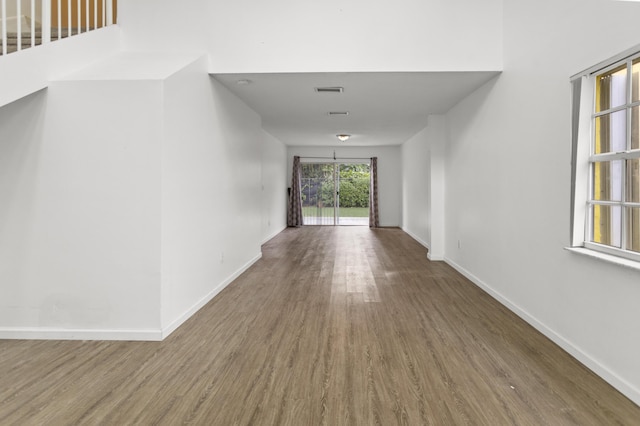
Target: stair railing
pixel 43 21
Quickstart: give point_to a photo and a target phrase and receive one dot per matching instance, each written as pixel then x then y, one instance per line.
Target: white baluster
pixel 3 17
pixel 109 13
pixel 59 19
pixel 79 13
pixel 69 20
pixel 46 21
pixel 33 22
pixel 19 25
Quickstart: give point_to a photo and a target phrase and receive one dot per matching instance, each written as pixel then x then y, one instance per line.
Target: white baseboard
pixel 613 379
pixel 51 333
pixel 415 237
pixel 435 257
pixel 273 234
pixel 166 331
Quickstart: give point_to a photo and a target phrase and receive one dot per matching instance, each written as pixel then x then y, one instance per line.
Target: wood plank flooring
pixel 333 326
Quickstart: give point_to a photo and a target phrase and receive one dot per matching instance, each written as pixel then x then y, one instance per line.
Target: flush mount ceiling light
pixel 243 82
pixel 337 113
pixel 343 138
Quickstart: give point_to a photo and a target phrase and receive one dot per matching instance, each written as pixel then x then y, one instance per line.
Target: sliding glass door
pixel 353 194
pixel 335 194
pixel 318 188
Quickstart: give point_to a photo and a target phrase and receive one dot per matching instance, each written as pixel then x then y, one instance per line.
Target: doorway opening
pixel 335 194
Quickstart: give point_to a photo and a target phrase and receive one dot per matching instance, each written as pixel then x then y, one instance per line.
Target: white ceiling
pixel 384 108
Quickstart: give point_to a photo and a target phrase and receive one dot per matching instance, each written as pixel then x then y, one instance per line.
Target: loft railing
pixel 28 23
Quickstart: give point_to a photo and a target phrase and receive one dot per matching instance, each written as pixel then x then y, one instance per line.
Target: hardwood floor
pixel 333 326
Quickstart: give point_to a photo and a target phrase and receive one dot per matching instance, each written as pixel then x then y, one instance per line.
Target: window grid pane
pixel 611 89
pixel 633 181
pixel 613 213
pixel 635 124
pixel 635 83
pixel 607 225
pixel 633 229
pixel 611 132
pixel 607 181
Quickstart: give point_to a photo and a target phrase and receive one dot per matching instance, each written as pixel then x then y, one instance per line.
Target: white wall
pixel 423 186
pixel 130 194
pixel 438 137
pixel 332 35
pixel 211 191
pixel 416 187
pixel 274 186
pixel 389 173
pixel 508 177
pixel 80 212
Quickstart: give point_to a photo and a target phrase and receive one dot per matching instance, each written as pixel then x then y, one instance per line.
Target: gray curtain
pixel 374 221
pixel 576 88
pixel 294 210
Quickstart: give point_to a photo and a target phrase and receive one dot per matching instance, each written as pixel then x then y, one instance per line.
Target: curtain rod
pixel 338 158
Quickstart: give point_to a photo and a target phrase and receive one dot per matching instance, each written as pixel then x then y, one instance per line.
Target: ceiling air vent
pixel 329 89
pixel 337 113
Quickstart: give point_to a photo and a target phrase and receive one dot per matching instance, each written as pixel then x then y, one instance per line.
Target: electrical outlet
pixel 459 244
pixel 221 257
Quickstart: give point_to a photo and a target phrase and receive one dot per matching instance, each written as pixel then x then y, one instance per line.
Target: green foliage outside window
pixel 318 186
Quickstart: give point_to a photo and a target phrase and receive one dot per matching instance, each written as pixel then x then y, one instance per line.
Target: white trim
pixel 432 257
pixel 582 166
pixel 608 62
pixel 609 258
pixel 616 156
pixel 52 333
pixel 611 250
pixel 614 203
pixel 166 331
pixel 609 376
pixel 273 235
pixel 415 237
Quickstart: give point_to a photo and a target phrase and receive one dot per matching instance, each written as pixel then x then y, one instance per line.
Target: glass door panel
pixel 353 194
pixel 335 194
pixel 318 194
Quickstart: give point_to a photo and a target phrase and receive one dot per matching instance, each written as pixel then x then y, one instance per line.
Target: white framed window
pixel 606 157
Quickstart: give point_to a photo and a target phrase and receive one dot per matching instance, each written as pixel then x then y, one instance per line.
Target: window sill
pixel 627 263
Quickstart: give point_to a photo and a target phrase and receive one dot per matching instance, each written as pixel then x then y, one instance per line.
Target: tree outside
pixel 354 185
